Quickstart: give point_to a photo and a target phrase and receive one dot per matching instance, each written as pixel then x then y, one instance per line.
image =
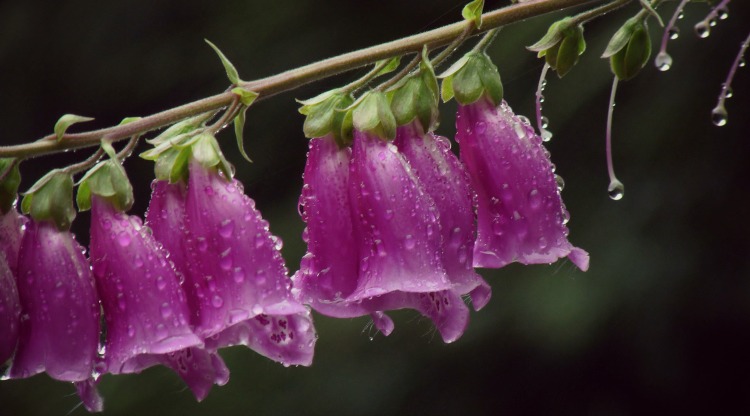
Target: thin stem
pixel 589 15
pixel 86 164
pixel 610 166
pixel 715 12
pixel 733 69
pixel 401 74
pixel 128 149
pixel 225 118
pixel 448 50
pixel 289 80
pixel 667 30
pixel 361 82
pixel 540 98
pixel 486 40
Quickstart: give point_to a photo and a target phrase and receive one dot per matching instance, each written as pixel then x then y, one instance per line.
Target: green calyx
pixel 629 49
pixel 561 46
pixel 472 77
pixel 205 150
pixel 372 113
pixel 328 113
pixel 51 199
pixel 9 184
pixel 107 180
pixel 416 97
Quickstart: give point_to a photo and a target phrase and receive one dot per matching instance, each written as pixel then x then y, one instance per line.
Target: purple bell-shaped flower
pixel 144 305
pixel 10 311
pixel 521 216
pixel 59 330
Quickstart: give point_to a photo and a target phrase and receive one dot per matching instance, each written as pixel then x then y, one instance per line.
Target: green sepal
pixel 183 127
pixel 326 114
pixel 239 130
pixel 477 77
pixel 572 46
pixel 372 113
pixel 246 96
pixel 107 180
pixel 417 97
pixel 9 184
pixel 629 60
pixel 232 74
pixel 205 150
pixel 553 36
pixel 51 199
pixel 391 65
pixel 62 125
pixel 172 165
pixel 621 38
pixel 473 12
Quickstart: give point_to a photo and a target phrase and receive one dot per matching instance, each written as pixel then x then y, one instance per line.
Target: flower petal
pixel 59 302
pixel 10 312
pixel 144 306
pixel 521 216
pixel 11 231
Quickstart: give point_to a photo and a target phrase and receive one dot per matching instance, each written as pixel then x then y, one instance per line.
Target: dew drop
pixel 674 32
pixel 123 239
pixel 681 15
pixel 702 30
pixel 535 199
pixel 166 311
pixel 226 228
pixel 131 331
pixel 560 183
pixel 742 63
pixel 723 13
pixel 719 116
pixel 217 301
pixel 712 22
pixel 202 244
pixel 728 93
pixel 616 190
pixel 208 190
pixel 545 122
pixel 388 214
pixel 161 283
pixel 480 127
pixel 238 275
pixel 106 224
pixel 546 135
pixel 161 331
pixel 663 61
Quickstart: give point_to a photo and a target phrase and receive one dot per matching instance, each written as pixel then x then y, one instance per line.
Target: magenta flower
pixel 144 306
pixel 10 311
pixel 11 231
pixel 234 267
pixel 59 330
pixel 289 339
pixel 374 239
pixel 521 216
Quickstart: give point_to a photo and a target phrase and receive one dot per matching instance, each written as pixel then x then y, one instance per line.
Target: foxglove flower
pixel 374 240
pixel 520 213
pixel 10 311
pixel 144 306
pixel 234 270
pixel 285 338
pixel 11 231
pixel 59 330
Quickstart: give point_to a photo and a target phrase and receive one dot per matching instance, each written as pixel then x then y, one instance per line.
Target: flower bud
pixel 629 49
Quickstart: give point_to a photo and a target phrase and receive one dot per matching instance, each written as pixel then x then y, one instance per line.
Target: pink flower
pixel 520 213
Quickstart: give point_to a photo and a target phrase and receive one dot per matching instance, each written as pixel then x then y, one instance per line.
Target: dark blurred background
pixel 660 323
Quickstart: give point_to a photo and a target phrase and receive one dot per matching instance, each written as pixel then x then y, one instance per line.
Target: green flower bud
pixel 326 114
pixel 51 199
pixel 471 78
pixel 372 113
pixel 629 49
pixel 416 97
pixel 561 46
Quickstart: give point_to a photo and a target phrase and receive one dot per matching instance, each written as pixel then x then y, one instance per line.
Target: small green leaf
pixel 246 96
pixel 446 89
pixel 107 180
pixel 51 199
pixel 455 67
pixel 239 127
pixel 180 165
pixel 83 197
pixel 373 114
pixel 473 12
pixel 9 184
pixel 177 129
pixel 66 121
pixel 391 66
pixel 553 36
pixel 317 99
pixel 571 48
pixel 232 74
pixel 620 39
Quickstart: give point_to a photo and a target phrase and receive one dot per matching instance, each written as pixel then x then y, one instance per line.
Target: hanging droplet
pixel 681 15
pixel 712 22
pixel 674 32
pixel 702 30
pixel 727 91
pixel 663 61
pixel 560 183
pixel 616 190
pixel 722 12
pixel 545 122
pixel 742 63
pixel 719 116
pixel 546 135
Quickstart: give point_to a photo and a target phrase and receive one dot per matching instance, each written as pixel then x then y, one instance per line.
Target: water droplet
pixel 131 331
pixel 702 30
pixel 217 301
pixel 663 61
pixel 388 214
pixel 546 135
pixel 257 309
pixel 524 120
pixel 161 331
pixel 722 12
pixel 202 244
pixel 238 275
pixel 106 224
pixel 480 127
pixel 225 260
pixel 166 311
pixel 545 122
pixel 380 248
pixel 535 199
pixel 560 183
pixel 674 32
pixel 160 282
pixel 409 242
pixel 208 190
pixel 226 228
pixel 123 239
pixel 616 190
pixel 742 63
pixel 728 93
pixel 712 22
pixel 719 116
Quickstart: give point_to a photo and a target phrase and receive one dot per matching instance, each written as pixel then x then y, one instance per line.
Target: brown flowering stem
pixel 289 80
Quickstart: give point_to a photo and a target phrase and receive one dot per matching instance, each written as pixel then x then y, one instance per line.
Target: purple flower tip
pixel 144 306
pixel 10 312
pixel 89 395
pixel 521 216
pixel 59 302
pixel 11 231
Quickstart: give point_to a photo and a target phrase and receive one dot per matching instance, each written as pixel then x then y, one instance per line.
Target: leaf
pixel 553 36
pixel 473 12
pixel 620 38
pixel 239 127
pixel 246 96
pixel 66 121
pixel 446 89
pixel 232 74
pixel 391 66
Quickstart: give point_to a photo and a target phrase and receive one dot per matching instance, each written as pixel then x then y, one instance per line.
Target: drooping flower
pixel 10 312
pixel 59 330
pixel 288 339
pixel 374 239
pixel 234 267
pixel 144 305
pixel 520 213
pixel 11 231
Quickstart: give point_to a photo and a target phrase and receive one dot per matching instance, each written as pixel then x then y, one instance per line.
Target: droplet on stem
pixel 663 61
pixel 702 30
pixel 616 190
pixel 719 116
